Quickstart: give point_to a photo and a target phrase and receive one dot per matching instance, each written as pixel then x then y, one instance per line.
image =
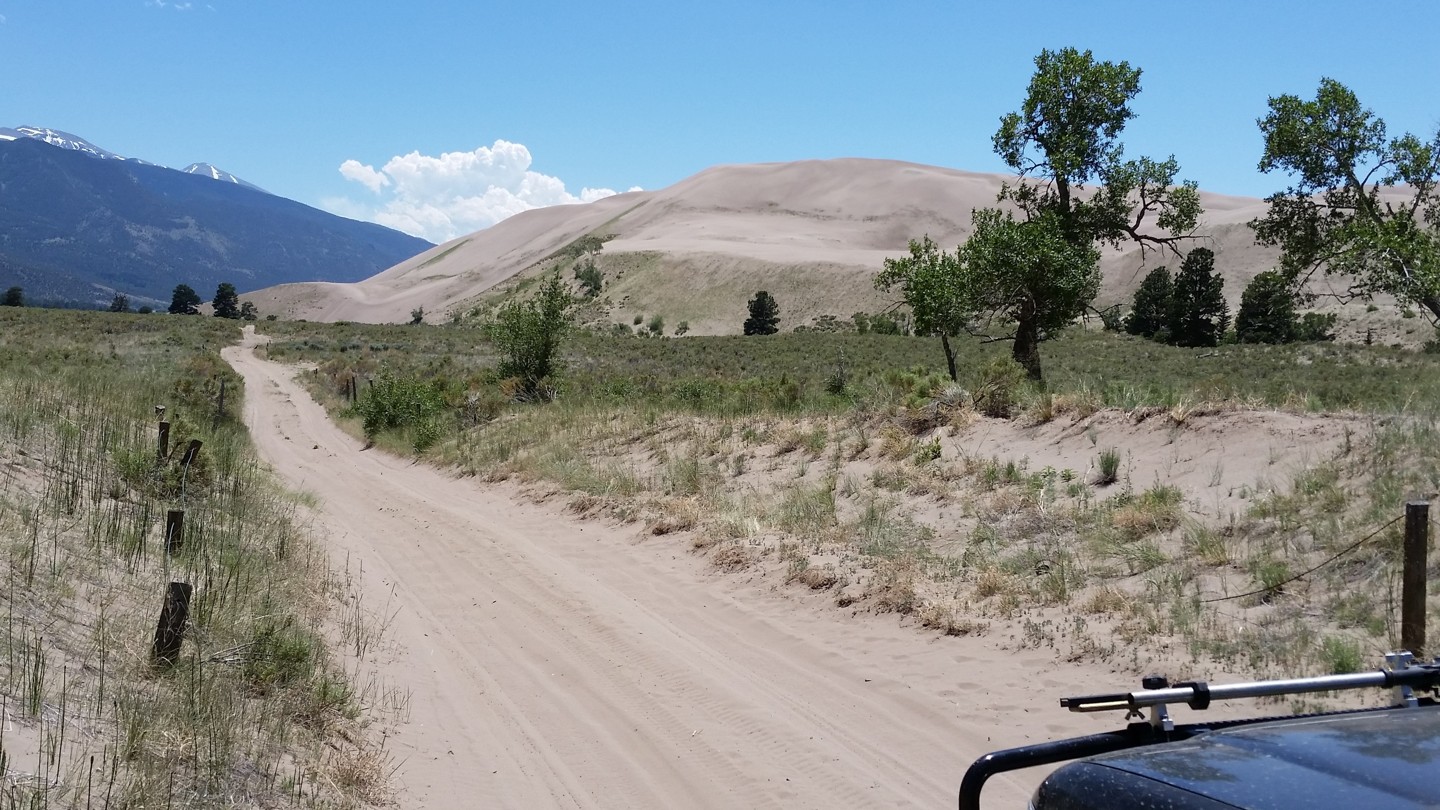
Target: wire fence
pixel 1307 572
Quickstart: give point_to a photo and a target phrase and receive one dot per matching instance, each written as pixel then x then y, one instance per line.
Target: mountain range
pixel 79 223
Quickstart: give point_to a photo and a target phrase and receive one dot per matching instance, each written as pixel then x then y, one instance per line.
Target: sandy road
pixel 562 663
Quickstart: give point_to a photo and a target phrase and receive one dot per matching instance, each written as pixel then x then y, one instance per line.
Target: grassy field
pixel 256 710
pixel 844 465
pixel 790 371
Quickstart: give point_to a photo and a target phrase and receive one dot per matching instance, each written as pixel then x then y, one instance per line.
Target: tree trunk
pixel 1027 347
pixel 949 356
pixel 1432 303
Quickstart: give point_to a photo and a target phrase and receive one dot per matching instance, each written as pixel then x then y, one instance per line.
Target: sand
pixel 818 230
pixel 558 662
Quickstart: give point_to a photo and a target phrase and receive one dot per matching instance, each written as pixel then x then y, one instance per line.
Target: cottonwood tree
pixel 764 315
pixel 1151 307
pixel 932 285
pixel 1074 181
pixel 528 332
pixel 1198 312
pixel 1340 215
pixel 1026 271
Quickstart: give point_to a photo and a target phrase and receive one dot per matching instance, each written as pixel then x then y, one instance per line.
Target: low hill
pixel 813 233
pixel 76 227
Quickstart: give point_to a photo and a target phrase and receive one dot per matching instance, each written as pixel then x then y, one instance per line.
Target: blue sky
pixel 538 101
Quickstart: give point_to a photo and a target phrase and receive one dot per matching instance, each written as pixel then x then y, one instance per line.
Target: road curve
pixel 556 662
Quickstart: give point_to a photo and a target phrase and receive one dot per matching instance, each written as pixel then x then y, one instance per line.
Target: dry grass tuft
pixel 731 556
pixel 818 578
pixel 944 618
pixel 893 588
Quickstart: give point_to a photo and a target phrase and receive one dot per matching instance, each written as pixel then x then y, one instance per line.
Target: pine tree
pixel 1267 311
pixel 184 301
pixel 764 315
pixel 1151 310
pixel 13 297
pixel 1198 313
pixel 227 301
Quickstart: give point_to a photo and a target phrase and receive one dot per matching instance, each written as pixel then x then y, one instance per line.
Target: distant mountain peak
pixel 217 173
pixel 66 140
pixel 62 139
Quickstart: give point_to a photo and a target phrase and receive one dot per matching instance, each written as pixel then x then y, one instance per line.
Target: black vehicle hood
pixel 1384 758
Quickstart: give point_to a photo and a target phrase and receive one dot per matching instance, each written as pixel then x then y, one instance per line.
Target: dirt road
pixel 555 662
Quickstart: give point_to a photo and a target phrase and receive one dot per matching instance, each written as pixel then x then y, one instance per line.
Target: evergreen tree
pixel 184 301
pixel 1315 326
pixel 227 301
pixel 764 315
pixel 248 312
pixel 13 297
pixel 1151 310
pixel 1267 310
pixel 120 303
pixel 1198 313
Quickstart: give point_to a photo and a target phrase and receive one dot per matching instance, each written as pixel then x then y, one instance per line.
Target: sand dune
pixel 816 231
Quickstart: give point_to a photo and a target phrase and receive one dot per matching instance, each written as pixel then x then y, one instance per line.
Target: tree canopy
pixel 528 333
pixel 184 301
pixel 1026 271
pixel 1151 307
pixel 764 316
pixel 1267 310
pixel 1345 213
pixel 13 297
pixel 932 285
pixel 1198 313
pixel 1076 188
pixel 227 301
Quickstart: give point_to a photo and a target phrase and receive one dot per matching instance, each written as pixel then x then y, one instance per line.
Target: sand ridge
pixel 825 225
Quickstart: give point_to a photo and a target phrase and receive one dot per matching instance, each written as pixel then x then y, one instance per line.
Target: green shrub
pixel 999 388
pixel 394 403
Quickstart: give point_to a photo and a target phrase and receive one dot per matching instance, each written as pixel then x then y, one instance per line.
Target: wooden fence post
pixel 170 631
pixel 190 453
pixel 1412 595
pixel 162 448
pixel 174 530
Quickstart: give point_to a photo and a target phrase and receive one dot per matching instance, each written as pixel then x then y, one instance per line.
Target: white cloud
pixel 364 175
pixel 440 198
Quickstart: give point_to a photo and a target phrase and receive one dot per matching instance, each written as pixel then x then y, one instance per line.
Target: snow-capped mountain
pixel 66 140
pixel 78 224
pixel 216 173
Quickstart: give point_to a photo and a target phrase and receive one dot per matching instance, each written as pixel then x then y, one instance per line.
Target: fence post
pixel 162 448
pixel 170 631
pixel 174 530
pixel 1412 595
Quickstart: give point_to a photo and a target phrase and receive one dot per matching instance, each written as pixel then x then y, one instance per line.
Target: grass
pixel 246 713
pixel 866 489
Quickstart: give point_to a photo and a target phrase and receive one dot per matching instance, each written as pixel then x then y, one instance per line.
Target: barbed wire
pixel 1337 555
